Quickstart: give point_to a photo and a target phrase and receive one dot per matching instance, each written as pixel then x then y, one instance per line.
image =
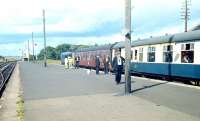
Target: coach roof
pixel 180 37
pixel 93 48
pixel 66 53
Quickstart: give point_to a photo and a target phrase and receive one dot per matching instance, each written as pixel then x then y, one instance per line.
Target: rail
pixel 5 72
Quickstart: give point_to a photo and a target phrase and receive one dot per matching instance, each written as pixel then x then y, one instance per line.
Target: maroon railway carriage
pixel 88 55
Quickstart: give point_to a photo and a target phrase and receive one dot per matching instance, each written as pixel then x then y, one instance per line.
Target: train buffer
pixel 59 94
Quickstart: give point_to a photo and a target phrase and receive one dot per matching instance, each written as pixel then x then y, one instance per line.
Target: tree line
pixel 54 53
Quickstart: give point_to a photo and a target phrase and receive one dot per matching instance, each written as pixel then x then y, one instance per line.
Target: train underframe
pixel 186 80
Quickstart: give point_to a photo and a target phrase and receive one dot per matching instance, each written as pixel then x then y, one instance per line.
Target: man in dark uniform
pixel 97 64
pixel 77 60
pixel 117 65
pixel 106 62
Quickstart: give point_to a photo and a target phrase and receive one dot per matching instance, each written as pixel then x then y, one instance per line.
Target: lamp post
pixel 127 46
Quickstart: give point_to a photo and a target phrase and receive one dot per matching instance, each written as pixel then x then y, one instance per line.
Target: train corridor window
pixel 168 53
pixel 151 54
pixel 140 54
pixel 187 53
pixel 136 54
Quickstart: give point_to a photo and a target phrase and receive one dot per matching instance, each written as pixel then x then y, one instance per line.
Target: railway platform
pixel 58 94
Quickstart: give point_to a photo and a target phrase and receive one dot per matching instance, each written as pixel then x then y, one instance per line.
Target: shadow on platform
pixel 149 86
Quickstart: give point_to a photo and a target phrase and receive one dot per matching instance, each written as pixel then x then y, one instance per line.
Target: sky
pixel 86 21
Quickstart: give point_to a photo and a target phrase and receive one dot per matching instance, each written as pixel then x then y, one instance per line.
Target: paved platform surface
pixel 57 94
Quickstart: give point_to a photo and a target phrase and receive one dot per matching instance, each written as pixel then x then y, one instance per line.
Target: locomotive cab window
pixel 168 53
pixel 187 53
pixel 151 54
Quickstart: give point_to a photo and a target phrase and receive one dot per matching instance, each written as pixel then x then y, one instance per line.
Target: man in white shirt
pixel 118 66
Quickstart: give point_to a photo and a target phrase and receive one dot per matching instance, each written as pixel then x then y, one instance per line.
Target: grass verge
pixel 20 108
pixel 49 61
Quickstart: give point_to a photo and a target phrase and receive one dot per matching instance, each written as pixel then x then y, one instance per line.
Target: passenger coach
pixel 175 55
pixel 88 55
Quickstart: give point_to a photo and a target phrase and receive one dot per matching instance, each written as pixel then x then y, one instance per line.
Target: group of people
pixel 68 62
pixel 106 63
pixel 72 62
pixel 116 65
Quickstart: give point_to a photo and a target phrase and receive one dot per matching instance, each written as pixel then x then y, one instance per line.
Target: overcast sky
pixel 86 21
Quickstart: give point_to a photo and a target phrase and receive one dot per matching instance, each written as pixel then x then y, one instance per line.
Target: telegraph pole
pixel 33 47
pixel 28 52
pixel 127 46
pixel 45 51
pixel 185 12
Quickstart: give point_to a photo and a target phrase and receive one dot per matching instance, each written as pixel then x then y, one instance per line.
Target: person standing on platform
pixel 106 62
pixel 77 60
pixel 75 65
pixel 66 63
pixel 70 62
pixel 97 64
pixel 117 65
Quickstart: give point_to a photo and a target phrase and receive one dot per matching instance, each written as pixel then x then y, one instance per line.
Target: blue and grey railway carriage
pixel 176 56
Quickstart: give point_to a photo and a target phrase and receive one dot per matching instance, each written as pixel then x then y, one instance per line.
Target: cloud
pixel 11 49
pixel 87 21
pixel 25 16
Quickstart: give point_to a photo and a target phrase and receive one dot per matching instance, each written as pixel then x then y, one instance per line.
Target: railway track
pixel 5 73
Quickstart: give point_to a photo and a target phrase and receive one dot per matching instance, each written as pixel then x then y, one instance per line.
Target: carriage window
pixel 84 56
pixel 120 50
pixel 140 54
pixel 131 54
pixel 89 56
pixel 136 54
pixel 93 56
pixel 151 54
pixel 168 53
pixel 80 55
pixel 187 53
